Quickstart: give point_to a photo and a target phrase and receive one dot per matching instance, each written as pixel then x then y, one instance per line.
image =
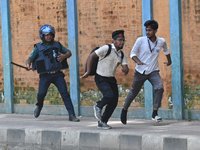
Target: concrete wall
pixel 88 140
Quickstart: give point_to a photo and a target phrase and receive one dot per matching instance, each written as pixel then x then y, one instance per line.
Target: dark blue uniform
pixel 55 76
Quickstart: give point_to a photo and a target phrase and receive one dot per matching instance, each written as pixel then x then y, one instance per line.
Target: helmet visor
pixel 48 30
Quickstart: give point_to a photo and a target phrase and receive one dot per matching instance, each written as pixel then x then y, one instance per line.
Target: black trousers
pixel 58 80
pixel 109 89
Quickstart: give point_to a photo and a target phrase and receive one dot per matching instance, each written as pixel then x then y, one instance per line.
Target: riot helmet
pixel 46 29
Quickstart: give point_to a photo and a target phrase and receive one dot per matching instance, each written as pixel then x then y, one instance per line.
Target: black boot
pixel 73 118
pixel 37 111
pixel 124 116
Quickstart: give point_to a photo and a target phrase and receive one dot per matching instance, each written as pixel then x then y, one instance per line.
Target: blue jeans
pixel 138 81
pixel 58 80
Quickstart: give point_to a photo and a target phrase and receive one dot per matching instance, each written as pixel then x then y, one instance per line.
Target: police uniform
pixel 50 72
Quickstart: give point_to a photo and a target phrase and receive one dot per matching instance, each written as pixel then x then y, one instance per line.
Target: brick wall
pixel 191 45
pixel 97 19
pixel 161 14
pixel 27 17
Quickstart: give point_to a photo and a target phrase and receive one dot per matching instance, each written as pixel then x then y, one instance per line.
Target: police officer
pixel 49 58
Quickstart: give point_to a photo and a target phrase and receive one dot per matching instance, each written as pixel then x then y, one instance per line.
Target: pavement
pixel 49 132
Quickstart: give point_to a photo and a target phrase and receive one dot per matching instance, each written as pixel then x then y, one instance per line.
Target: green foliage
pixel 91 96
pixel 30 95
pixel 81 84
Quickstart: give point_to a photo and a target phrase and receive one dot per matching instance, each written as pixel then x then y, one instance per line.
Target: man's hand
pixel 125 69
pixel 141 63
pixel 169 60
pixel 28 67
pixel 85 75
pixel 28 64
pixel 168 63
pixel 61 57
pixel 89 64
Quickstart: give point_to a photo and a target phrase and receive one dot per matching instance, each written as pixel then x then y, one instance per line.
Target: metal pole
pixel 177 59
pixel 147 14
pixel 74 60
pixel 7 55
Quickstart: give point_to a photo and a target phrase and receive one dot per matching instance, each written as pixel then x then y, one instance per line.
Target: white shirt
pixel 142 48
pixel 107 66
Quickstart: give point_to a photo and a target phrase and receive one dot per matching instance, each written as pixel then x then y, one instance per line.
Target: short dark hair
pixel 152 24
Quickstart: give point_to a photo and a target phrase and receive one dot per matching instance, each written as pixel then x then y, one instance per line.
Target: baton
pixel 18 65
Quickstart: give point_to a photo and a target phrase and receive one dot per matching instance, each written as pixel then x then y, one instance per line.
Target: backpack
pixel 96 60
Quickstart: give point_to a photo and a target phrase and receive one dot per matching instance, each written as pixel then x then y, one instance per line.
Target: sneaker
pixel 103 125
pixel 97 112
pixel 157 119
pixel 73 118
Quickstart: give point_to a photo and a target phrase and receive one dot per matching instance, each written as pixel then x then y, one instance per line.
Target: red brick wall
pixel 191 44
pixel 27 17
pixel 161 14
pixel 97 19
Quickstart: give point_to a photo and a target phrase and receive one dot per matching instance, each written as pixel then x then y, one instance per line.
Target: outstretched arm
pixel 89 64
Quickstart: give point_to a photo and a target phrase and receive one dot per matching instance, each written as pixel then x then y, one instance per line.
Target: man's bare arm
pixel 169 60
pixel 137 61
pixel 89 64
